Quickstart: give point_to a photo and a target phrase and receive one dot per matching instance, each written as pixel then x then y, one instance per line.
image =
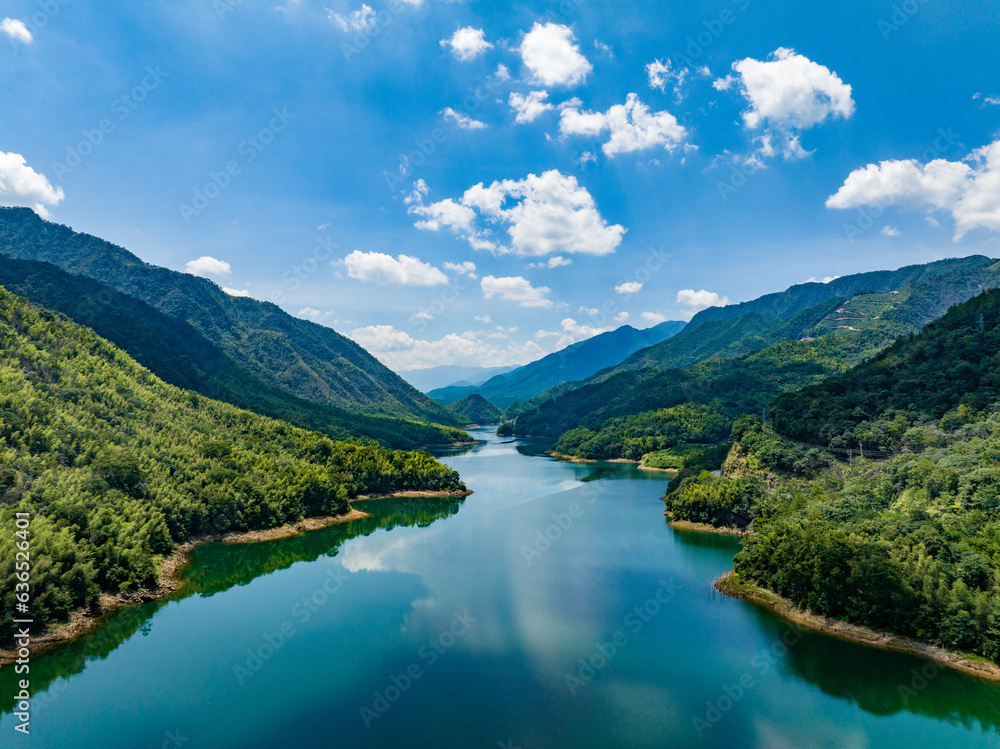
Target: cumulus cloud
pixel 553 57
pixel 653 318
pixel 363 19
pixel 466 268
pixel 236 292
pixel 543 214
pixel 467 43
pixel 787 93
pixel 631 126
pixel 385 270
pixel 969 190
pixel 22 185
pixel 695 301
pixel 516 289
pixel 661 74
pixel 890 231
pixel 631 287
pixel 401 351
pixel 208 267
pixel 528 108
pixel 553 262
pixel 463 122
pixel 309 313
pixel 828 279
pixel 484 319
pixel 16 30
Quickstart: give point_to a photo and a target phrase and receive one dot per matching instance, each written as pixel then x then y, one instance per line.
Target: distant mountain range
pixel 426 380
pixel 300 357
pixel 575 362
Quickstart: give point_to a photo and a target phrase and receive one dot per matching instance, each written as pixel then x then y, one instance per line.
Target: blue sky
pixel 635 161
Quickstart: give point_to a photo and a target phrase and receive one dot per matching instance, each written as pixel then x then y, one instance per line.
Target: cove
pixel 552 607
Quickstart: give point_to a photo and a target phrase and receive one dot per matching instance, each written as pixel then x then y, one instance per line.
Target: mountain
pixel 426 380
pixel 575 362
pixel 607 417
pixel 740 328
pixel 305 359
pixel 115 467
pixel 174 351
pixel 908 542
pixel 475 409
pixel 942 378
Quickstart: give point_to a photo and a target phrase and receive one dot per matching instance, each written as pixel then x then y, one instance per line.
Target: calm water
pixel 553 607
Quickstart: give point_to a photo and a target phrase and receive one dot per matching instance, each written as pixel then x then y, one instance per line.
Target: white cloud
pixel 463 122
pixel 988 101
pixel 631 125
pixel 528 108
pixel 574 332
pixel 621 318
pixel 467 43
pixel 208 267
pixel 553 262
pixel 466 268
pixel 484 319
pixel 552 55
pixel 236 292
pixel 631 287
pixel 661 74
pixel 363 19
pixel 386 270
pixel 786 93
pixel 827 279
pixel 695 301
pixel 502 73
pixel 969 190
pixel 400 351
pixel 890 231
pixel 20 185
pixel 314 314
pixel 546 214
pixel 516 289
pixel 653 318
pixel 16 30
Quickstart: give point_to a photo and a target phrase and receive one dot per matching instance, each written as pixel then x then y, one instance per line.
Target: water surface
pixel 553 607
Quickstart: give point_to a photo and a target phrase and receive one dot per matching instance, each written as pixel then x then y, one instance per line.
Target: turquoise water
pixel 553 607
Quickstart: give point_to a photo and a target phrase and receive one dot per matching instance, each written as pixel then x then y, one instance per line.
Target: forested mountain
pixel 174 351
pixel 950 371
pixel 910 544
pixel 301 357
pixel 609 413
pixel 740 328
pixel 575 362
pixel 114 466
pixel 475 409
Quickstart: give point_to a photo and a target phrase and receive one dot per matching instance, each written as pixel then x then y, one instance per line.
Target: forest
pixel 115 466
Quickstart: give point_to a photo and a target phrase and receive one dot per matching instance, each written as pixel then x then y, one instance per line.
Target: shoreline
pixel 83 621
pixel 731 585
pixel 687 525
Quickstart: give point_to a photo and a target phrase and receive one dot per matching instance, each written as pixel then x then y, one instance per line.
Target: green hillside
pixel 475 409
pixel 616 410
pixel 114 466
pixel 950 371
pixel 298 356
pixel 174 351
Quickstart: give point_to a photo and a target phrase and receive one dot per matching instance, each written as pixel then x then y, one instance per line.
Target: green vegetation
pixel 912 393
pixel 631 437
pixel 174 351
pixel 475 409
pixel 304 359
pixel 115 466
pixel 910 545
